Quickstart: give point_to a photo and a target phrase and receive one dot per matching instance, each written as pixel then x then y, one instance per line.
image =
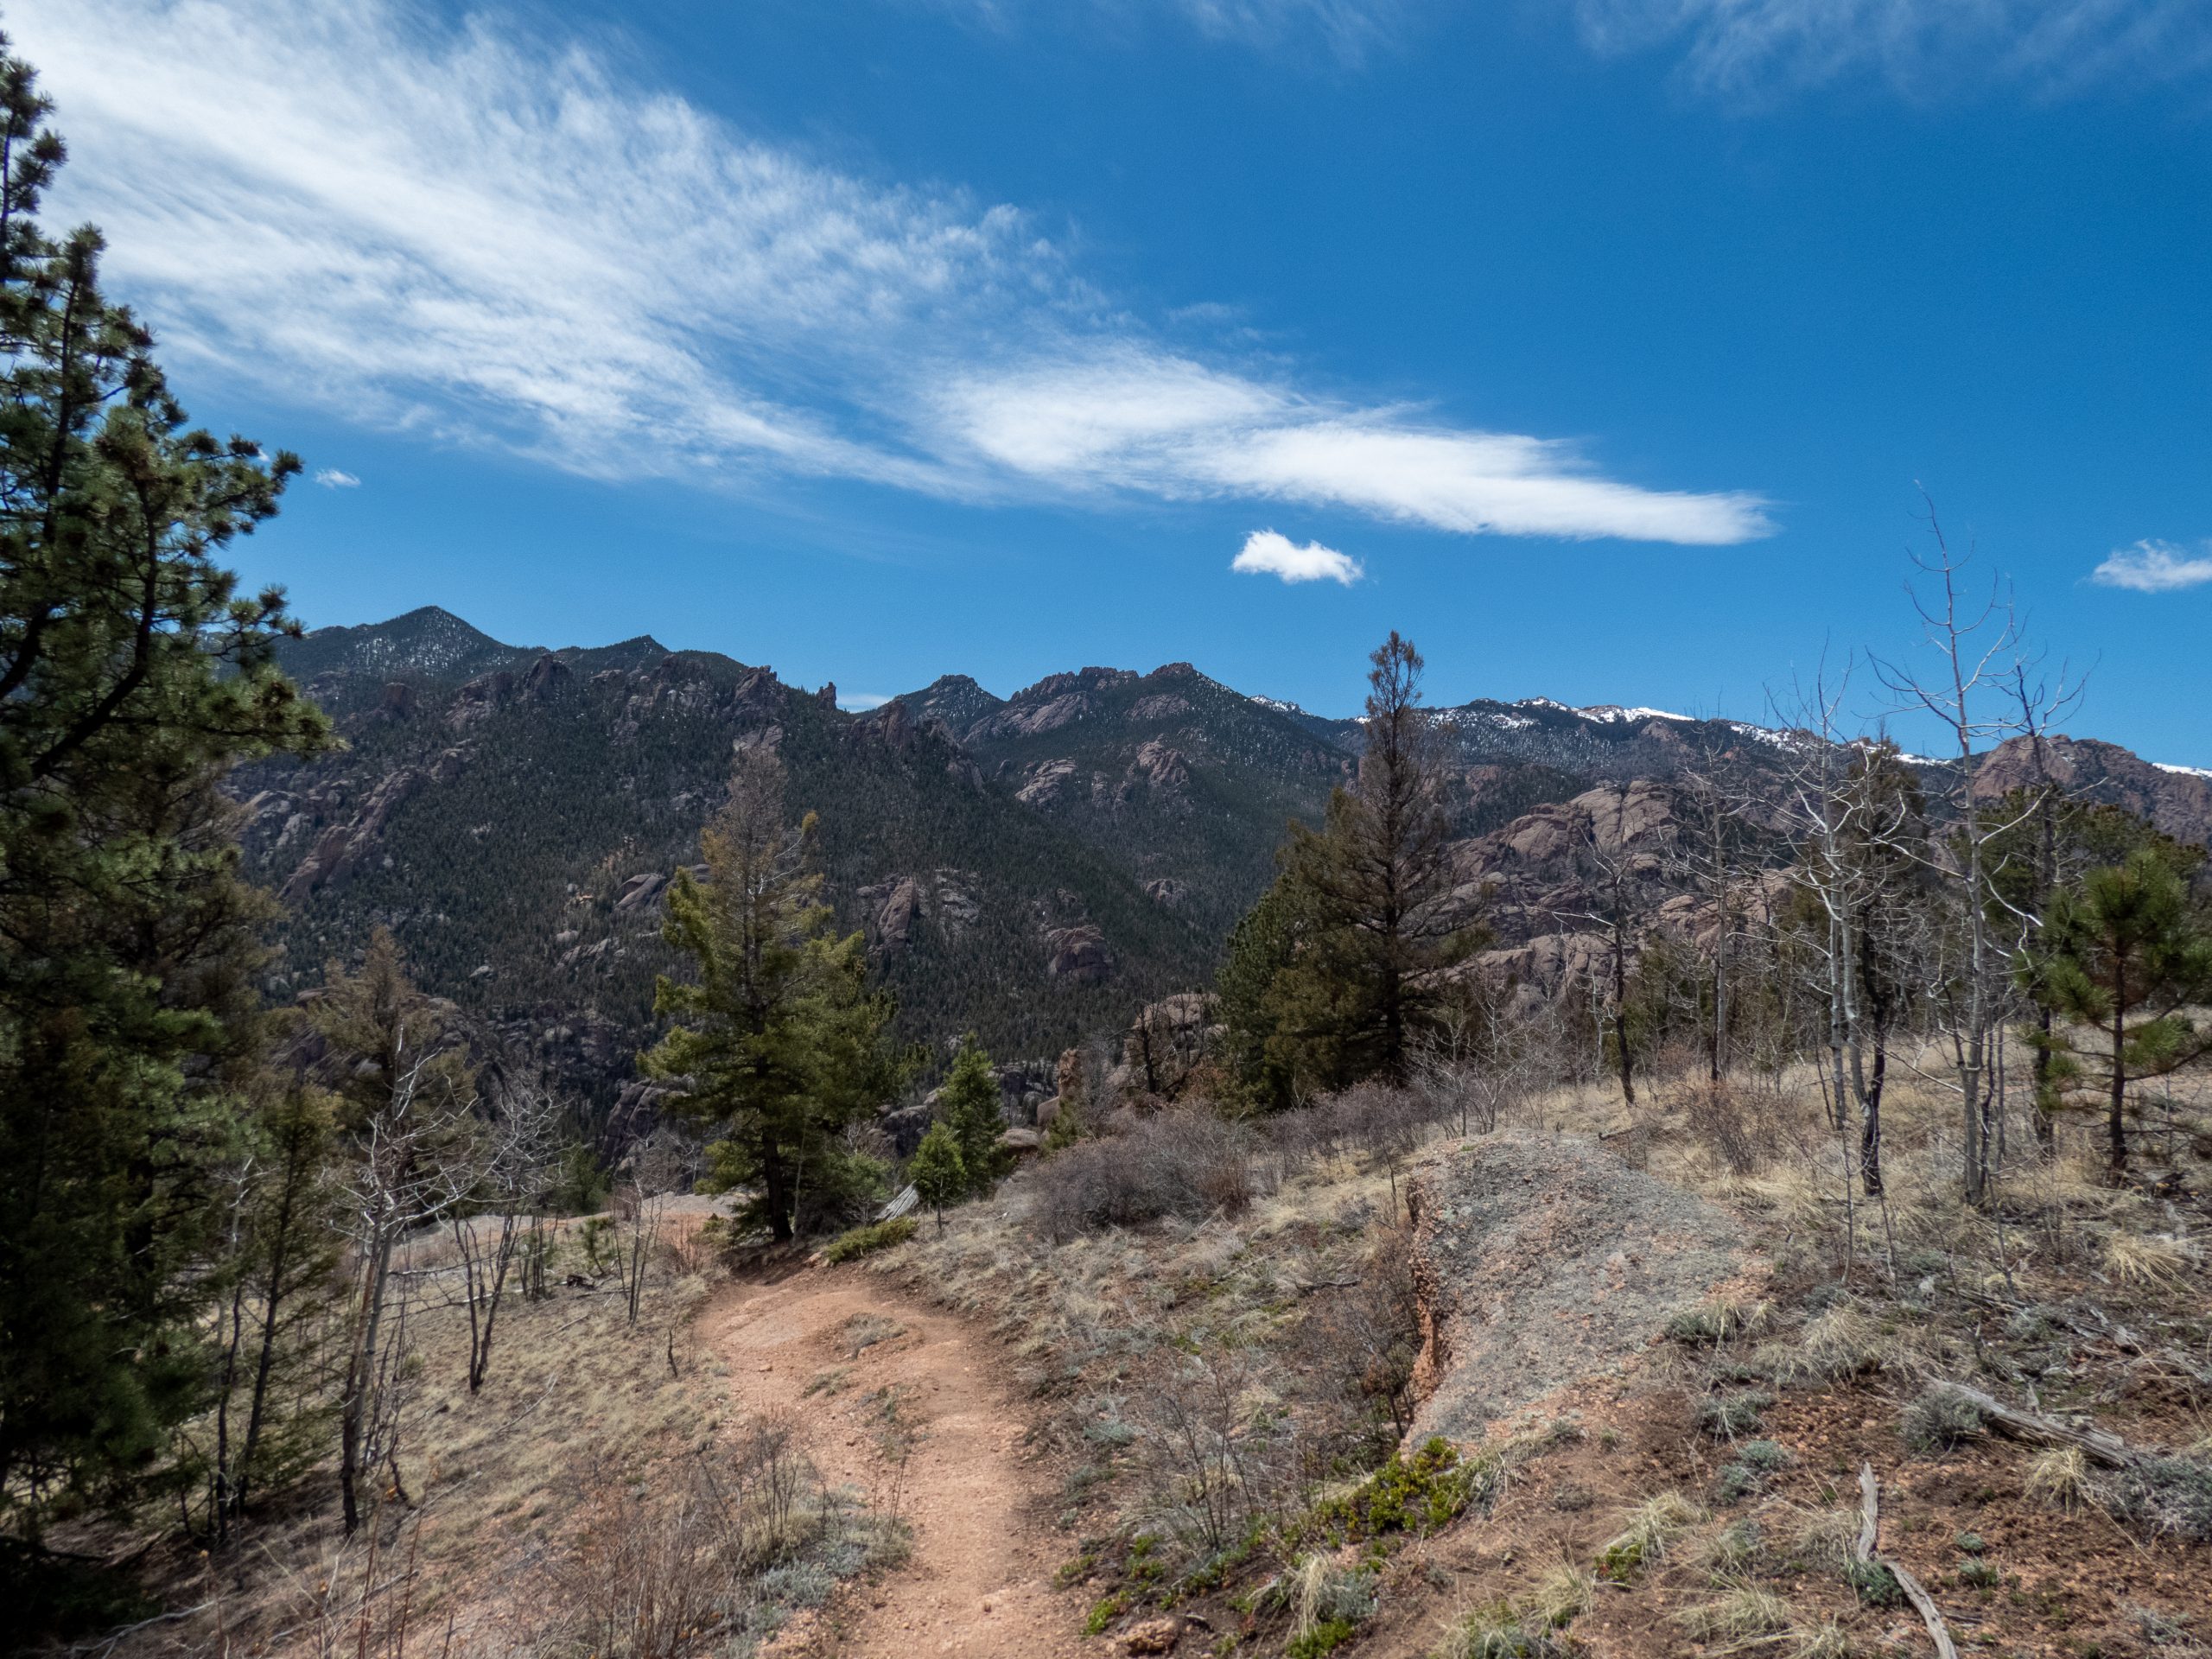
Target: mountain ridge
pixel 1035 868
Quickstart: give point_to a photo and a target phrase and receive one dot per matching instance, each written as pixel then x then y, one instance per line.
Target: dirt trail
pixel 979 1502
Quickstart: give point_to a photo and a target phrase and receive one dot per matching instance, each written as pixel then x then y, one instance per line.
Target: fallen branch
pixel 1869 1532
pixel 2010 1421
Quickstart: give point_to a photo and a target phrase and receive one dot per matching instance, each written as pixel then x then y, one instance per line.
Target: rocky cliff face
pixel 515 817
pixel 2178 800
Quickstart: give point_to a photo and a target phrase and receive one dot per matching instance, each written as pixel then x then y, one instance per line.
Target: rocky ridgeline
pixel 1040 867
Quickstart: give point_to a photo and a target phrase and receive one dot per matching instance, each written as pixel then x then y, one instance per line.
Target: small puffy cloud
pixel 859 702
pixel 2151 567
pixel 1267 554
pixel 331 479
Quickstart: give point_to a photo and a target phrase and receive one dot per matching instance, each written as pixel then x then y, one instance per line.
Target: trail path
pixel 981 1503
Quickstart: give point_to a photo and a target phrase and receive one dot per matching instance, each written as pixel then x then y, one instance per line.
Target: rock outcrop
pixel 343 847
pixel 896 907
pixel 1078 953
pixel 1165 1045
pixel 2177 800
pixel 1540 1260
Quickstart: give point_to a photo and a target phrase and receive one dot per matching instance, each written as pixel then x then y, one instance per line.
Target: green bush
pixel 1103 1612
pixel 1419 1494
pixel 1877 1585
pixel 1939 1420
pixel 1726 1416
pixel 1326 1637
pixel 866 1241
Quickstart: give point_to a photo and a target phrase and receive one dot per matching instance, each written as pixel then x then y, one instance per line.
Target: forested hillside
pixel 1034 869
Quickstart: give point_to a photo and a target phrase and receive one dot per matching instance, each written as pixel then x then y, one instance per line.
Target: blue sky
pixel 1599 345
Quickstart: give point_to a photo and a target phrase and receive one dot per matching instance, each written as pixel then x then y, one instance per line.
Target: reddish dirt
pixel 979 1500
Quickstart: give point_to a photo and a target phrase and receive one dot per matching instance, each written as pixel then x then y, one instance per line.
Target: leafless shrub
pixel 657 1574
pixel 1184 1161
pixel 1361 1341
pixel 1215 1450
pixel 1721 1120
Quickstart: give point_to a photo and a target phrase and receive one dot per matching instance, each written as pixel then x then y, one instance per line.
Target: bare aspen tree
pixel 1712 856
pixel 513 1171
pixel 407 1094
pixel 1610 872
pixel 1972 643
pixel 653 1173
pixel 1853 824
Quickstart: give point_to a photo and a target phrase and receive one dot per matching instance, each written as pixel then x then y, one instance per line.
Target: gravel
pixel 1542 1260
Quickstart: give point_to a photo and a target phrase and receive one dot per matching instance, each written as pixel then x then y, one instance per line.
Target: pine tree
pixel 1259 1052
pixel 938 1171
pixel 132 675
pixel 968 1106
pixel 2125 953
pixel 1372 902
pixel 778 1045
pixel 281 1255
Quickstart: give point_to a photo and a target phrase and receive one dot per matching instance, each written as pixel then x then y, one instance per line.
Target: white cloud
pixel 1267 554
pixel 859 702
pixel 1347 29
pixel 468 235
pixel 2151 567
pixel 1143 420
pixel 331 479
pixel 1933 46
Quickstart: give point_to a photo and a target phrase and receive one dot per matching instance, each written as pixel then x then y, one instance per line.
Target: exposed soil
pixel 907 1404
pixel 1543 1259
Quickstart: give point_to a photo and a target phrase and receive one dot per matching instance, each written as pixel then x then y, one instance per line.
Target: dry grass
pixel 2156 1260
pixel 1836 1343
pixel 1564 1594
pixel 2060 1479
pixel 491 1487
pixel 1742 1615
pixel 1648 1532
pixel 1826 1640
pixel 1826 1538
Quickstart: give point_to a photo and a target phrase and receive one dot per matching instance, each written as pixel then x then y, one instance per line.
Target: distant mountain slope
pixel 2178 799
pixel 516 828
pixel 1182 781
pixel 1033 867
pixel 425 644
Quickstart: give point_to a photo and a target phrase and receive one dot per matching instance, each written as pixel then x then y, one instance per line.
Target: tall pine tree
pixel 778 1045
pixel 132 674
pixel 1367 922
pixel 968 1105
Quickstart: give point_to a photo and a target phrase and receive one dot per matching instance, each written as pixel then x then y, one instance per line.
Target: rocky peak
pixel 2178 802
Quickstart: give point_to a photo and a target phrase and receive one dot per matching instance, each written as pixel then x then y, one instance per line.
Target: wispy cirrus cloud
pixel 1740 47
pixel 332 478
pixel 464 233
pixel 2153 567
pixel 1151 421
pixel 1265 553
pixel 1347 29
